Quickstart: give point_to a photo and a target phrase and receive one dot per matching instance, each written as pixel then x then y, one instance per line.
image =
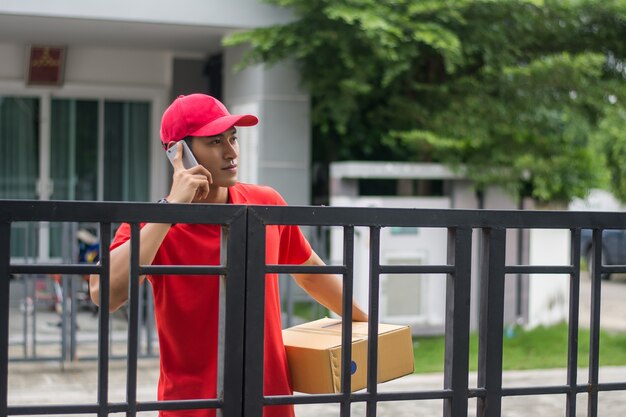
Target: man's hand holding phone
pixel 190 180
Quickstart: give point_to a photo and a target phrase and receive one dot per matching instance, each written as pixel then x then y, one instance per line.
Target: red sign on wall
pixel 46 65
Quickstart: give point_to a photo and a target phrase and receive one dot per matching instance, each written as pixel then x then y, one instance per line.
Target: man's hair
pixel 187 139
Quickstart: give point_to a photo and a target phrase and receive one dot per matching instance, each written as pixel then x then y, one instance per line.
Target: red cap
pixel 199 115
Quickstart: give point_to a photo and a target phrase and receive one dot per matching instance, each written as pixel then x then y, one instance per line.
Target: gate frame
pixel 241 389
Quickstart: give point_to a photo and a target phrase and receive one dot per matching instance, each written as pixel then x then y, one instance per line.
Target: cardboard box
pixel 314 355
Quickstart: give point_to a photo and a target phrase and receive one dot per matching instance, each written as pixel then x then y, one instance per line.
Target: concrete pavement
pixel 47 383
pixel 612 306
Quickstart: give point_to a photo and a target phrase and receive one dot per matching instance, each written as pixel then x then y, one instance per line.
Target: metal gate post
pixel 491 319
pixel 5 285
pixel 457 321
pixel 594 331
pixel 234 285
pixel 133 321
pixel 255 318
pixel 572 337
pixel 346 320
pixel 104 320
pixel 373 313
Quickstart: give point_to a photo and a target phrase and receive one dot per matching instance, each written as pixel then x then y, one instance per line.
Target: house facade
pixel 88 129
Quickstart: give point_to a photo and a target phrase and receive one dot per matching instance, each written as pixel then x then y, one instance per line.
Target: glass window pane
pixel 19 163
pixel 73 160
pixel 19 147
pixel 74 149
pixel 126 150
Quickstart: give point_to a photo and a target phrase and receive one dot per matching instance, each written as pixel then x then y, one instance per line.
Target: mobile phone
pixel 189 161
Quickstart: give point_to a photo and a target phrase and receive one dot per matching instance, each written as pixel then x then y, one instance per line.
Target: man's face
pixel 218 154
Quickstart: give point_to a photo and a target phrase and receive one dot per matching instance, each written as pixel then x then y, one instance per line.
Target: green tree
pixel 610 137
pixel 527 94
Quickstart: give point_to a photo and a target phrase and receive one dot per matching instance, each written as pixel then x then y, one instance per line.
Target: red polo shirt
pixel 186 306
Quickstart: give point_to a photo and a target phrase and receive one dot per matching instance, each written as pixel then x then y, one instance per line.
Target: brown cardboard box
pixel 314 355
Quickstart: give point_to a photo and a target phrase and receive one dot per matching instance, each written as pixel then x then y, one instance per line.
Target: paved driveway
pixel 613 305
pixel 45 383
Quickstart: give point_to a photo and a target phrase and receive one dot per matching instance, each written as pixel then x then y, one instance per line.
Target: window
pixel 126 150
pixel 95 149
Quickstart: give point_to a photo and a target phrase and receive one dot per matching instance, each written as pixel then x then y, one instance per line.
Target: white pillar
pixel 277 152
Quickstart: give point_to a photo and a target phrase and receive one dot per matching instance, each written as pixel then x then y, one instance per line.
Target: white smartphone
pixel 189 161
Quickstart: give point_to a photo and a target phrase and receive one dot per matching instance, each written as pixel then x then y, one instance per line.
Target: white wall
pixel 219 13
pixel 118 66
pixel 597 200
pixel 95 66
pixel 548 293
pixel 13 62
pixel 423 297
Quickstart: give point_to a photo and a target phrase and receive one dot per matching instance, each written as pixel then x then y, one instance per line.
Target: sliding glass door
pixel 91 149
pixel 78 154
pixel 19 147
pixel 74 149
pixel 126 151
pixel 19 163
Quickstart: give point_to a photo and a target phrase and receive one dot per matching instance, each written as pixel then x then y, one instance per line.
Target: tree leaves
pixel 525 94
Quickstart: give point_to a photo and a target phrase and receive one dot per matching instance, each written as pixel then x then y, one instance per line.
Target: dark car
pixel 613 248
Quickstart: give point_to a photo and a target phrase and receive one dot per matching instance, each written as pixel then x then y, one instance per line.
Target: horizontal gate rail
pixel 444 218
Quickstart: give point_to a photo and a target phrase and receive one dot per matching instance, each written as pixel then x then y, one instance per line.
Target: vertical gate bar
pixel 140 318
pixel 73 307
pixel 373 313
pixel 103 320
pixel 25 316
pixel 33 286
pixel 72 248
pixel 572 336
pixel 594 331
pixel 289 302
pixel 133 319
pixel 64 298
pixel 31 247
pixel 491 322
pixel 149 319
pixel 33 322
pixel 5 286
pixel 65 309
pixel 221 316
pixel 346 328
pixel 32 291
pixel 255 316
pixel 457 322
pixel 235 253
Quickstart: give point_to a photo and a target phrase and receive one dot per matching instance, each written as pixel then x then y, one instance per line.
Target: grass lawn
pixel 542 347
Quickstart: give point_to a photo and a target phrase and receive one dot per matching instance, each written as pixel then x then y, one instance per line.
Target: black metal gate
pixel 240 390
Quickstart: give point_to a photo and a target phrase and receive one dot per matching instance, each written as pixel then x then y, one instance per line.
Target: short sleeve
pixel 122 235
pixel 294 249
